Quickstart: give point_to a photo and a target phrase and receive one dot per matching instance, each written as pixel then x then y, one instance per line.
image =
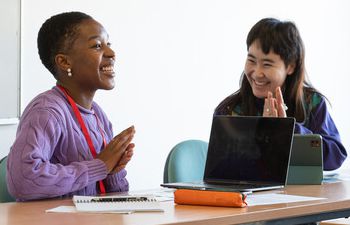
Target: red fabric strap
pixel 85 131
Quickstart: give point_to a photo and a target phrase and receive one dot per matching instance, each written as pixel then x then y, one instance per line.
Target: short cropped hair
pixel 56 35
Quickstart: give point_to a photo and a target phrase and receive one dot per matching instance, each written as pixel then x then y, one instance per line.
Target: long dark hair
pixel 282 38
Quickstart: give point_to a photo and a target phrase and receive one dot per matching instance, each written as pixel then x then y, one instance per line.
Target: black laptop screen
pixel 249 149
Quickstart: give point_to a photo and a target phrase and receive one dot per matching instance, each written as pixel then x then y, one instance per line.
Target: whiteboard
pixel 9 61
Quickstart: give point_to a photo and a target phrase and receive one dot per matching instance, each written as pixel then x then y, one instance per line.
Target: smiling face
pixel 90 58
pixel 265 72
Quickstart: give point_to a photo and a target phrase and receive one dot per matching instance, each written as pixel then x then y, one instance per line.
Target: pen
pixel 119 199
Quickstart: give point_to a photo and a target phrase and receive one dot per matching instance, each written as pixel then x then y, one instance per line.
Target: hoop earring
pixel 69 72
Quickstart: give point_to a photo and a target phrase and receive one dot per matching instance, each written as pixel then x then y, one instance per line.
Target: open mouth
pixel 108 69
pixel 260 83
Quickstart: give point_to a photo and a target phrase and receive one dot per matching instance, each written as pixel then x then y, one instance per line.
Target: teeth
pixel 260 83
pixel 108 69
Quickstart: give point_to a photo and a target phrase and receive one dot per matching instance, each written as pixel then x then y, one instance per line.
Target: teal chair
pixel 186 162
pixel 4 194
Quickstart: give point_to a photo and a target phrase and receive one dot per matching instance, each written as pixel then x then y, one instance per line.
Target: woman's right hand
pixel 116 149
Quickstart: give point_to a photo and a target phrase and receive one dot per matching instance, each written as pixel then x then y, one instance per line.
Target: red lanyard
pixel 85 131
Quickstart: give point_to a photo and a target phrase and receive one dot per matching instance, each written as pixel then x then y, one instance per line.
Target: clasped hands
pixel 274 106
pixel 119 151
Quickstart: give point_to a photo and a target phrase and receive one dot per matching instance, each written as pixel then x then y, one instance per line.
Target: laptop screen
pixel 249 149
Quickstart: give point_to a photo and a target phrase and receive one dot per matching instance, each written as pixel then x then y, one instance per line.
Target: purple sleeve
pixel 31 174
pixel 117 182
pixel 321 122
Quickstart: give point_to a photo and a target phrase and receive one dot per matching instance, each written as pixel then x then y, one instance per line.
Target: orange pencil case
pixel 210 198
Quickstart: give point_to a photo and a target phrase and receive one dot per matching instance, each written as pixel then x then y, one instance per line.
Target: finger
pixel 267 108
pixel 274 113
pixel 272 103
pixel 272 106
pixel 121 141
pixel 266 111
pixel 126 157
pixel 129 152
pixel 124 145
pixel 281 107
pixel 279 96
pixel 128 131
pixel 269 95
pixel 267 105
pixel 123 161
pixel 130 148
pixel 281 110
pixel 114 152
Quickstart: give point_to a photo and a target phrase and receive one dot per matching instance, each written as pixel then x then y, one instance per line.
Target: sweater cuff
pixel 97 170
pixel 117 182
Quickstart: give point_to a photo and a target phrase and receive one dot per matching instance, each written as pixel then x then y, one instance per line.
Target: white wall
pixel 177 59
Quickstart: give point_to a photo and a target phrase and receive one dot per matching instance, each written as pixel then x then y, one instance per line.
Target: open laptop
pixel 306 161
pixel 245 154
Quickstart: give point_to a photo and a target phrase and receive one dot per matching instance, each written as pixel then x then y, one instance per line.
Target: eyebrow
pixel 94 37
pixel 97 37
pixel 264 59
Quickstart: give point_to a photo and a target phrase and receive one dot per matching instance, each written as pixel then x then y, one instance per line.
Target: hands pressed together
pixel 119 151
pixel 274 106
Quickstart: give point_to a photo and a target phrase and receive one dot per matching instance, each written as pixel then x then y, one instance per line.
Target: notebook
pixel 245 154
pixel 117 203
pixel 306 162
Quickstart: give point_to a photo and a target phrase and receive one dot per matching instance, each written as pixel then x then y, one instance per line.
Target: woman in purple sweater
pixel 274 84
pixel 65 143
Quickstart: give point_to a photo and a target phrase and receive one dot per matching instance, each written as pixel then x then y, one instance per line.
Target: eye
pixel 96 45
pixel 109 44
pixel 267 65
pixel 250 60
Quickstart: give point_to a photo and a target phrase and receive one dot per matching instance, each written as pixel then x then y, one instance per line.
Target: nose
pixel 259 71
pixel 109 53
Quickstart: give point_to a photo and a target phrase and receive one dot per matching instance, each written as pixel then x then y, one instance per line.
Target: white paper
pixel 274 198
pixel 72 209
pixel 63 209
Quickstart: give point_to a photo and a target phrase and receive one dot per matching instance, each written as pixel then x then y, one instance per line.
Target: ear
pixel 63 62
pixel 290 69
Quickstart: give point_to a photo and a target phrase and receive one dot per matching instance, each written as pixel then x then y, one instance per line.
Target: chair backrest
pixel 4 194
pixel 186 162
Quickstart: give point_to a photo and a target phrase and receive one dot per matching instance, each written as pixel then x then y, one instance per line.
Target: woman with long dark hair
pixel 274 84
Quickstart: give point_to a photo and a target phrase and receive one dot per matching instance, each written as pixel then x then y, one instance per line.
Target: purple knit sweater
pixel 50 156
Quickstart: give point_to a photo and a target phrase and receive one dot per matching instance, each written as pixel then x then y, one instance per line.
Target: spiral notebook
pixel 116 203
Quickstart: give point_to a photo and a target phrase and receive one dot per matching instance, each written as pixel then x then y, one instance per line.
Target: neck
pixel 81 96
